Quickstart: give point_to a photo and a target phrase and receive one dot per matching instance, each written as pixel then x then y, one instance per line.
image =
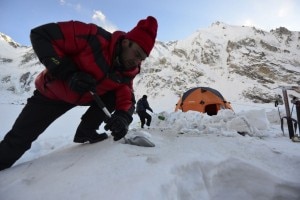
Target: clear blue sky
pixel 177 19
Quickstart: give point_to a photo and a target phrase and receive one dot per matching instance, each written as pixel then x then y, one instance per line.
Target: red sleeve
pixel 76 35
pixel 125 99
pixel 61 39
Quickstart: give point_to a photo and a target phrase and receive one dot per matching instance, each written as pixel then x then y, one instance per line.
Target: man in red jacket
pixel 80 58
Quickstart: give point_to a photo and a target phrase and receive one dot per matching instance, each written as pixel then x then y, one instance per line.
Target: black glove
pixel 60 68
pixel 118 124
pixel 82 82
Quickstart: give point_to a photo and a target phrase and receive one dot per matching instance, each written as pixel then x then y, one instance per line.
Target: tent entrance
pixel 211 109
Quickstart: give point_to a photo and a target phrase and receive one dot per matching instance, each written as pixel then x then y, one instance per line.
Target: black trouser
pixel 33 120
pixel 143 116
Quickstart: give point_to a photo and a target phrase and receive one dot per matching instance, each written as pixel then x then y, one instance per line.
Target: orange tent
pixel 202 99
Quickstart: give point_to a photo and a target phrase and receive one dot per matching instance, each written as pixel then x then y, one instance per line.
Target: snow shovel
pixel 139 140
pixel 100 104
pixel 288 117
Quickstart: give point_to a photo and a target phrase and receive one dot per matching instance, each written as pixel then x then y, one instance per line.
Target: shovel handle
pixel 100 104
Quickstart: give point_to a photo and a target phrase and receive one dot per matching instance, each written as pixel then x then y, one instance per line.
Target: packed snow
pixel 195 156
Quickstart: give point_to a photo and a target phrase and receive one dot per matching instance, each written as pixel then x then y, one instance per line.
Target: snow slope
pixel 196 156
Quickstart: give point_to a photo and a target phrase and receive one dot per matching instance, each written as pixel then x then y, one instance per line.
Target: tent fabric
pixel 202 99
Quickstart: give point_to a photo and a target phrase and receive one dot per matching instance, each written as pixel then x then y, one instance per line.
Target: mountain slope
pixel 232 59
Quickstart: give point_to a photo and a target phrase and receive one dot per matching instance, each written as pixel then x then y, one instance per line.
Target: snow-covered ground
pixel 196 156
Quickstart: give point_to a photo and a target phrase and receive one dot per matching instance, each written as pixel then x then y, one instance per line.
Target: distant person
pixel 81 58
pixel 141 109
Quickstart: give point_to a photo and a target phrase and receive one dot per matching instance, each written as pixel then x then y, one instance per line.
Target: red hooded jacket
pixel 91 48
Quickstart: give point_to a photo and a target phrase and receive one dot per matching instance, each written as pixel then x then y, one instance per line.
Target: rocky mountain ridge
pixel 243 63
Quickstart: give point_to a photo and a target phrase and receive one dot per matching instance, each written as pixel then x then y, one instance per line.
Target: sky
pixel 176 20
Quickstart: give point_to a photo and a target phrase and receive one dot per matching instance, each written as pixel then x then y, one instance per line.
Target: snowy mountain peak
pixel 242 63
pixel 219 24
pixel 9 40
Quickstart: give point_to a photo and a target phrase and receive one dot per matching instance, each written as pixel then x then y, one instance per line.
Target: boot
pixel 148 122
pixel 88 135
